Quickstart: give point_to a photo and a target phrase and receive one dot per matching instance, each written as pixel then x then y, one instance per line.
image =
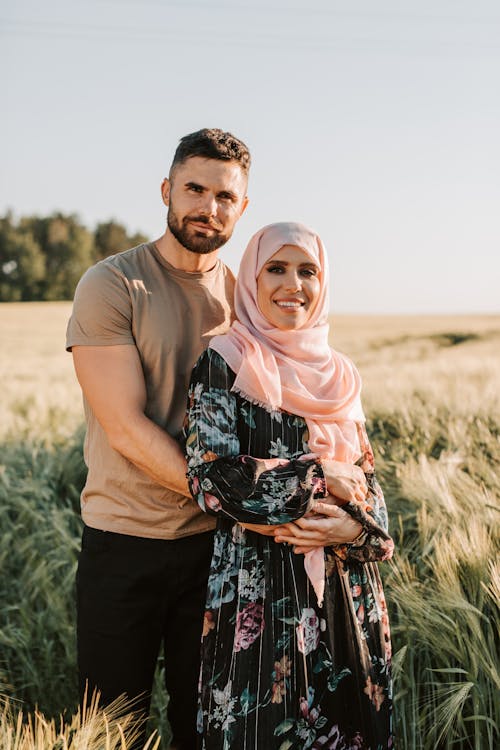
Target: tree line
pixel 42 258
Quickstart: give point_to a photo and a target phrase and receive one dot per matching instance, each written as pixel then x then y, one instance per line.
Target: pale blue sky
pixel 377 123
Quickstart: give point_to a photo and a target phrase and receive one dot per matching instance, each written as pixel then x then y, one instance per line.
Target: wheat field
pixel 432 397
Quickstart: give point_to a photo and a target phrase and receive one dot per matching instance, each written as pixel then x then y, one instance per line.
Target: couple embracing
pixel 234 503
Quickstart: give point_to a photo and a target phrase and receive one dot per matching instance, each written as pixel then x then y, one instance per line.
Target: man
pixel 140 320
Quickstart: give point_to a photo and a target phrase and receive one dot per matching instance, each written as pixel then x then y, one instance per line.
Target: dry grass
pixel 114 728
pixel 39 386
pixel 39 389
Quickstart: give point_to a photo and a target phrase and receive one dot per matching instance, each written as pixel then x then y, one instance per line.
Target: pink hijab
pixel 296 371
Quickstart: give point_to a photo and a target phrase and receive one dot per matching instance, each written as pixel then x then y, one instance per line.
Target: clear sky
pixel 375 122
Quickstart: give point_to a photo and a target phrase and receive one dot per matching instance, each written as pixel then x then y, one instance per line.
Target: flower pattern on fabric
pixel 208 623
pixel 308 631
pixel 375 693
pixel 282 670
pixel 222 715
pixel 251 583
pixel 249 625
pixel 277 671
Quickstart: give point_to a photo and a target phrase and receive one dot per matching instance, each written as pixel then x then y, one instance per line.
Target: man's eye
pixel 195 188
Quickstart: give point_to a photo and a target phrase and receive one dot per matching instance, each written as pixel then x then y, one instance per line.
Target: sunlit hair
pixel 212 143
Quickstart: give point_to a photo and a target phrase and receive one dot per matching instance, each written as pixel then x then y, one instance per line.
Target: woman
pixel 271 409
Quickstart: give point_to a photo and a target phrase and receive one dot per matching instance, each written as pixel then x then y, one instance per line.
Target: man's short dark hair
pixel 212 143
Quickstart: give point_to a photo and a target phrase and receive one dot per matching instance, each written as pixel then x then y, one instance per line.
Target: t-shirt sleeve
pixel 102 309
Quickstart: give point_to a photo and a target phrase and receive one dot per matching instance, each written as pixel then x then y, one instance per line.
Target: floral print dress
pixel 278 671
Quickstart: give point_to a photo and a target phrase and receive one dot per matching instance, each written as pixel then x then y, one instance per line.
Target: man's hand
pixel 335 527
pixel 112 381
pixel 261 528
pixel 345 481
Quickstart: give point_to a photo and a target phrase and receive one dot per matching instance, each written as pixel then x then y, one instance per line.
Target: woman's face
pixel 288 288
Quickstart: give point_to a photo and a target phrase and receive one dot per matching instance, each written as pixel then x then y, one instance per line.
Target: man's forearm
pixel 153 451
pixel 112 380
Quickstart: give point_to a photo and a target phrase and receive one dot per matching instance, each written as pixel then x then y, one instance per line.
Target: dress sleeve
pixel 374 543
pixel 221 479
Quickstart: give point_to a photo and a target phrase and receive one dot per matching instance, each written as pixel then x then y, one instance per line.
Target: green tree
pixel 68 248
pixel 43 258
pixel 22 262
pixel 111 237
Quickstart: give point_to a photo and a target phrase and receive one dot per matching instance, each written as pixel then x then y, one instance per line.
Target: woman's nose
pixel 292 281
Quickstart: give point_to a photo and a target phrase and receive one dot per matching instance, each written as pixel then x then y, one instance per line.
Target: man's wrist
pixel 360 539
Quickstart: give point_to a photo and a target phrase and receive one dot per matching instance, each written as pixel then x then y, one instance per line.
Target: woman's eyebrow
pixel 305 264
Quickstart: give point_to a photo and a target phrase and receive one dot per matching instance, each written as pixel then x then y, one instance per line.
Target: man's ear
pixel 244 205
pixel 165 190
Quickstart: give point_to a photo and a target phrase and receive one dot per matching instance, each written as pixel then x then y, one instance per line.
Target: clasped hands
pixel 326 523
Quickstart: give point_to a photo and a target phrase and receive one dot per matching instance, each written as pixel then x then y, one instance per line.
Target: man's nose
pixel 208 205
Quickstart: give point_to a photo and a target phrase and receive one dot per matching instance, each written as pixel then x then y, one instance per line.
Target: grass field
pixel 38 383
pixel 36 374
pixel 432 398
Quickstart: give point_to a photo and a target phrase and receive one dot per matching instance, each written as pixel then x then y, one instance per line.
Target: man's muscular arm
pixel 112 381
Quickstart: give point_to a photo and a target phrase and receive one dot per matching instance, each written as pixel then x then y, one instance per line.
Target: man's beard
pixel 188 238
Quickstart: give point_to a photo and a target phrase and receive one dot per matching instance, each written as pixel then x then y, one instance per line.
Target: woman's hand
pixel 334 526
pixel 345 481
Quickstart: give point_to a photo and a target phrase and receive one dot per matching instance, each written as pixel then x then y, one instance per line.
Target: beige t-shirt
pixel 137 298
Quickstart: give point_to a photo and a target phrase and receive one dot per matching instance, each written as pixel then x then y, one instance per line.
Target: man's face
pixel 205 199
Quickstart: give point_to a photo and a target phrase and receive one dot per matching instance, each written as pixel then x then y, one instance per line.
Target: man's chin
pixel 194 242
pixel 204 245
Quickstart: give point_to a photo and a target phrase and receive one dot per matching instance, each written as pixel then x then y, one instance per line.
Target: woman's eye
pixel 309 272
pixel 275 269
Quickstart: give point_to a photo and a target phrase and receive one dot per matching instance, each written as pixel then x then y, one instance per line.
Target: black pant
pixel 132 593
